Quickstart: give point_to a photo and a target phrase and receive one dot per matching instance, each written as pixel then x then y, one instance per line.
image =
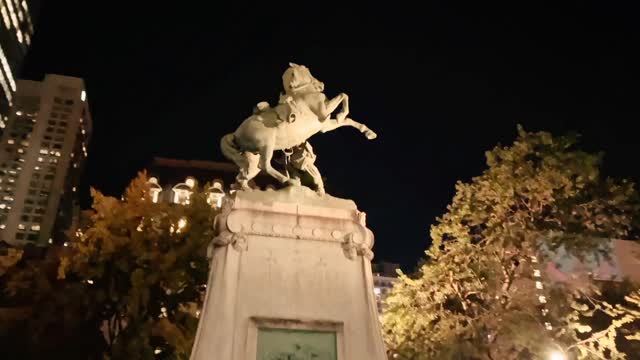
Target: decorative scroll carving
pixel 353 249
pixel 237 240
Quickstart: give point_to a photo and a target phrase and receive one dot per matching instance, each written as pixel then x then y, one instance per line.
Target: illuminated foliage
pixel 605 327
pixel 477 296
pixel 9 259
pixel 128 284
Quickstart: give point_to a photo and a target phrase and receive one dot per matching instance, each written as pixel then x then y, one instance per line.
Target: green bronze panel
pixel 286 344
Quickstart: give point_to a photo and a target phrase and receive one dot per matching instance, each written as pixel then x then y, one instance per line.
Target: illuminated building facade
pixel 42 152
pixel 384 277
pixel 172 180
pixel 16 33
pixel 623 263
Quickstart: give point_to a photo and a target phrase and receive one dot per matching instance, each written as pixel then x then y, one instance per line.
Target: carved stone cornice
pixel 297 213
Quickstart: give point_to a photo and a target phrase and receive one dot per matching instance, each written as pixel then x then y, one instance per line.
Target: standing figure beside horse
pixel 303 111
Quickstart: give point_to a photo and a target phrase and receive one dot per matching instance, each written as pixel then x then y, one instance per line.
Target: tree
pixel 128 282
pixel 482 293
pixel 607 325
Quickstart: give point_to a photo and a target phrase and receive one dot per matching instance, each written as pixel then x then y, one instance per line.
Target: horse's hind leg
pixel 248 170
pixel 253 160
pixel 266 153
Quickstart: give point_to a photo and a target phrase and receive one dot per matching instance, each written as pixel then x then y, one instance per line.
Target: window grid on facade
pixel 45 155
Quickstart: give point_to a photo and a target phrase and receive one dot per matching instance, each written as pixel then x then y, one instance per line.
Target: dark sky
pixel 441 84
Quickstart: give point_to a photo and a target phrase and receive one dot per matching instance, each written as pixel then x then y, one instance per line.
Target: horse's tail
pixel 230 150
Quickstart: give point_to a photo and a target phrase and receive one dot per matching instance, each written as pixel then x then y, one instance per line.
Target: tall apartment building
pixel 16 32
pixel 42 152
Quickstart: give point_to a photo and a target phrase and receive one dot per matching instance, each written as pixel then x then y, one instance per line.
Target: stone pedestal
pixel 290 280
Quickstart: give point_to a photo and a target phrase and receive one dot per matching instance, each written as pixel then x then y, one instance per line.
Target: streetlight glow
pixel 557 355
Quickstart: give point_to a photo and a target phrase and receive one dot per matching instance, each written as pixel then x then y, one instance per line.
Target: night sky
pixel 440 84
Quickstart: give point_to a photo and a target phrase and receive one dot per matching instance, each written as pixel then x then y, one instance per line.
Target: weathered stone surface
pixel 297 260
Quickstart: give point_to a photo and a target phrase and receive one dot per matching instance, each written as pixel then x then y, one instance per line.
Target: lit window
pixel 154 189
pixel 50 241
pixel 19 113
pixel 5 87
pixel 40 159
pixel 3 205
pixel 11 141
pixel 83 95
pixel 5 17
pixel 181 196
pixel 182 192
pixel 536 273
pixel 35 227
pixel 44 151
pixel 21 226
pixel 73 189
pixel 216 194
pixel 3 226
pixel 21 151
pixel 7 69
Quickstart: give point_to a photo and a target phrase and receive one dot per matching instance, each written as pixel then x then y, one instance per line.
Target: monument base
pixel 290 279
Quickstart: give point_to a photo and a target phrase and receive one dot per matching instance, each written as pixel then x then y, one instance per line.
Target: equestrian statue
pixel 302 111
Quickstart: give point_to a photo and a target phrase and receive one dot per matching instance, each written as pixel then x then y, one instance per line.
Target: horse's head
pixel 298 78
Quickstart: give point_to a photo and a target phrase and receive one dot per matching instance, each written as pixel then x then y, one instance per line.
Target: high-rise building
pixel 42 152
pixel 16 32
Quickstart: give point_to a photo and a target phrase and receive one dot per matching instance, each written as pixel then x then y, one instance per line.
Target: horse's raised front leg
pixel 266 153
pixel 345 109
pixel 334 124
pixel 329 106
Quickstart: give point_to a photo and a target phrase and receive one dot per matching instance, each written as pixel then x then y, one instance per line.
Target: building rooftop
pixel 171 171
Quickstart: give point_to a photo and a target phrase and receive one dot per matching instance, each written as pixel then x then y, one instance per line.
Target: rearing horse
pixel 302 112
